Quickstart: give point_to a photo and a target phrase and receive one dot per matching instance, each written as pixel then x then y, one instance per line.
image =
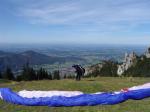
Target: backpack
pixel 82 69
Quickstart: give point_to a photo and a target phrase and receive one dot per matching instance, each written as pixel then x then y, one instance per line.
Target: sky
pixel 75 21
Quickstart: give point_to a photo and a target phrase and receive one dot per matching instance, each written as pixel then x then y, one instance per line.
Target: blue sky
pixel 75 21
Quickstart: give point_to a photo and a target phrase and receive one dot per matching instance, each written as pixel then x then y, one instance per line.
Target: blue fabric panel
pixel 107 98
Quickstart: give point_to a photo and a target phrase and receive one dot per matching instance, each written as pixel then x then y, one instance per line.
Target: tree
pixel 43 74
pixel 65 76
pixel 8 74
pixel 28 73
pixel 40 74
pixel 0 75
pixel 109 69
pixel 56 75
pixel 32 74
pixel 19 78
pixel 50 76
pixel 140 69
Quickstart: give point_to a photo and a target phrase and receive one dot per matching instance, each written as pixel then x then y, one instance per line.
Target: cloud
pixel 102 14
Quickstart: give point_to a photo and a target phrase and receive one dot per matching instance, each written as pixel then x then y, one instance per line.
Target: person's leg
pixel 77 77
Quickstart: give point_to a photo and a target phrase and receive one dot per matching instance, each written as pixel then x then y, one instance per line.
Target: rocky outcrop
pixel 147 53
pixel 91 69
pixel 132 64
pixel 129 60
pixel 127 63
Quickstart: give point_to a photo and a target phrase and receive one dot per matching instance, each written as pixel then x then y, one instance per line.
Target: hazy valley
pixel 62 57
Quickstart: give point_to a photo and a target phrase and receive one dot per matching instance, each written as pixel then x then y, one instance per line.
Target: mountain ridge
pixel 17 60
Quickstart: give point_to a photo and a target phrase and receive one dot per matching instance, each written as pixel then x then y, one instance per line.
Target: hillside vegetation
pixel 141 68
pixel 88 85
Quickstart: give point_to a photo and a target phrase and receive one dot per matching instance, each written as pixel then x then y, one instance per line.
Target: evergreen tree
pixel 19 78
pixel 50 76
pixel 39 74
pixel 109 69
pixel 0 75
pixel 65 76
pixel 8 74
pixel 45 74
pixel 56 75
pixel 25 74
pixel 28 73
pixel 32 74
pixel 140 69
pixel 42 74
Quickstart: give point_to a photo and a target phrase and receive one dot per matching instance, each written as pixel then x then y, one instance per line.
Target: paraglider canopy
pixel 73 98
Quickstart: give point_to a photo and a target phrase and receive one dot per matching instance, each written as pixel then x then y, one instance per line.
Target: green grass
pixel 88 85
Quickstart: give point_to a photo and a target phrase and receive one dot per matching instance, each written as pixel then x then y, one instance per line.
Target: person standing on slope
pixel 80 71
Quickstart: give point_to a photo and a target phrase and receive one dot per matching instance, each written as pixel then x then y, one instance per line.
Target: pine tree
pixel 56 75
pixel 19 78
pixel 25 73
pixel 50 76
pixel 40 74
pixel 32 74
pixel 28 73
pixel 0 75
pixel 65 76
pixel 45 74
pixel 8 74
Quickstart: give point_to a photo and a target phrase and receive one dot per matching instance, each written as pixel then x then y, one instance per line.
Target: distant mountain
pixel 17 60
pixel 2 53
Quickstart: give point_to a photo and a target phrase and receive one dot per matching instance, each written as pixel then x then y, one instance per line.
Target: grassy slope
pixel 86 85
